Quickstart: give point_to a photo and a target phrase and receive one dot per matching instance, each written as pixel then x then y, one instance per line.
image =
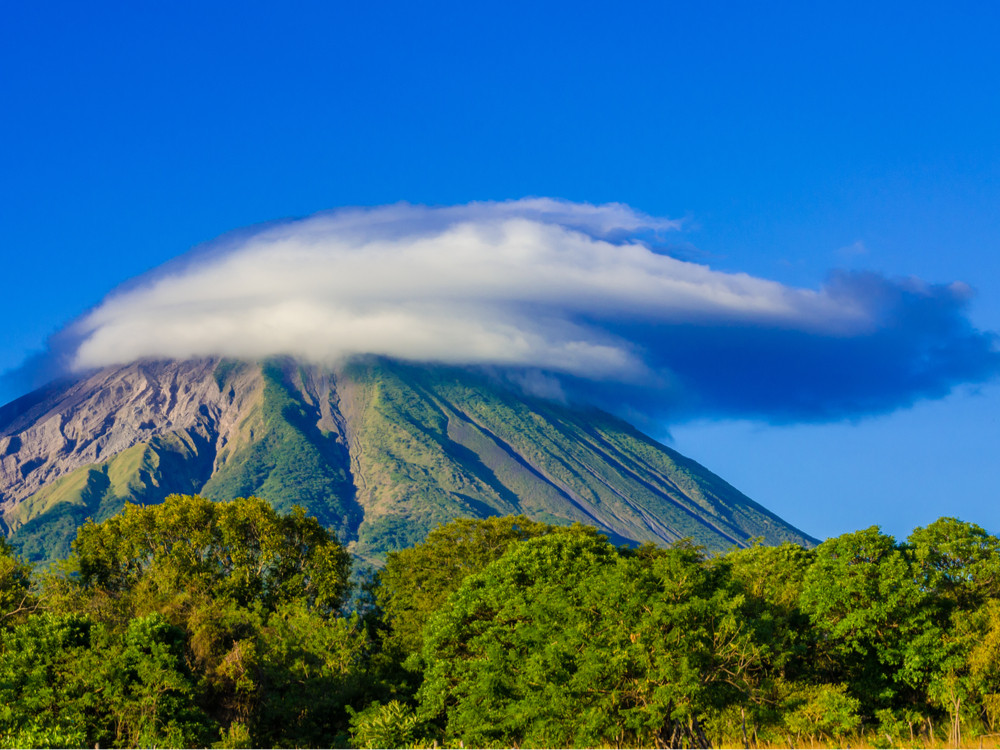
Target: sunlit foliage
pixel 193 623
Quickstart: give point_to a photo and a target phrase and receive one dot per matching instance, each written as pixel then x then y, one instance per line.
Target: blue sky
pixel 791 141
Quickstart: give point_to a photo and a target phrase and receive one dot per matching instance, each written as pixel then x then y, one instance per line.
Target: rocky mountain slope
pixel 379 451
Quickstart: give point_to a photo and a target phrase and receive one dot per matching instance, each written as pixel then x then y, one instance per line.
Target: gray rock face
pixel 47 435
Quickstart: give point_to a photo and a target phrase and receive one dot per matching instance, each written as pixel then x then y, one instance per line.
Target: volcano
pixel 378 450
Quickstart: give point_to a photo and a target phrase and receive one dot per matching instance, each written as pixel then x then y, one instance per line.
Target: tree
pixel 16 598
pixel 147 688
pixel 240 551
pixel 958 566
pixel 772 578
pixel 959 562
pixel 393 724
pixel 67 680
pixel 310 669
pixel 566 641
pixel 500 657
pixel 254 595
pixel 416 582
pixel 866 605
pixel 825 711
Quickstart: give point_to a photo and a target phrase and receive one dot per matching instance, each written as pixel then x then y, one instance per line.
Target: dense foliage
pixel 194 623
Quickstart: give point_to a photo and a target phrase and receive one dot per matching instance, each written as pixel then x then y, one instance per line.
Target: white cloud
pixel 553 289
pixel 522 283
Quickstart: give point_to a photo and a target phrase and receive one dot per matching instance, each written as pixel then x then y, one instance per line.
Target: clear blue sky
pixel 793 138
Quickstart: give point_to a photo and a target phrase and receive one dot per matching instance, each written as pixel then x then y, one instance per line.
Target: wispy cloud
pixel 573 296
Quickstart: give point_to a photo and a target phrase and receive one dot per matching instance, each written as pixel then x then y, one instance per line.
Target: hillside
pixel 380 452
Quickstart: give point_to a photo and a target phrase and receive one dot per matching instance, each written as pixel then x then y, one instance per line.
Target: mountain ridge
pixel 380 451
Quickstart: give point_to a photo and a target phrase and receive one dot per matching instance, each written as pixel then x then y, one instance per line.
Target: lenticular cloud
pixel 548 291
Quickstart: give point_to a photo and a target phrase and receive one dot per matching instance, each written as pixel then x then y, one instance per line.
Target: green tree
pixel 311 668
pixel 959 562
pixel 16 598
pixel 866 605
pixel 416 582
pixel 240 551
pixel 984 662
pixel 45 669
pixel 393 724
pixel 147 688
pixel 255 595
pixel 958 567
pixel 566 641
pixel 822 711
pixel 773 578
pixel 69 680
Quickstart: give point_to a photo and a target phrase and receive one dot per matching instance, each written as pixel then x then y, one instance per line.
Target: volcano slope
pixel 379 451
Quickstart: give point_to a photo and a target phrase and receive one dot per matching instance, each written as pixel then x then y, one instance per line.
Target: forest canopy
pixel 194 623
